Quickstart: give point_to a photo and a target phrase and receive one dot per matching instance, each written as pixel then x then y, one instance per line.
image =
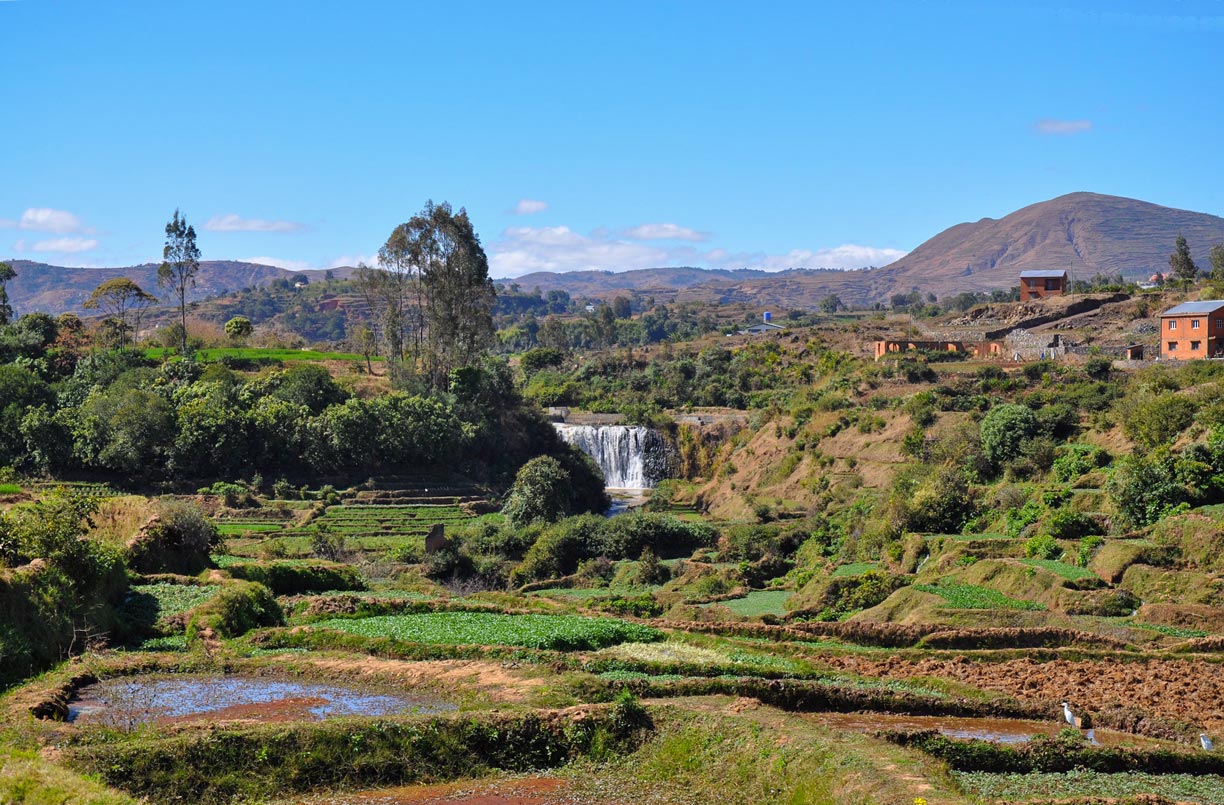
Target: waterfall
pixel 627 455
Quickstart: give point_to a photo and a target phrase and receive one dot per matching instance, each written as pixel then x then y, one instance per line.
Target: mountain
pixel 56 289
pixel 1085 233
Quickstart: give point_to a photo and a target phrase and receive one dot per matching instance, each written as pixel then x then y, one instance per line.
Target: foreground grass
pixel 557 632
pixel 27 779
pixel 1205 789
pixel 757 756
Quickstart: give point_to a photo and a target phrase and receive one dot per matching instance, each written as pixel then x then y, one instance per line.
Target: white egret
pixel 1206 742
pixel 1069 716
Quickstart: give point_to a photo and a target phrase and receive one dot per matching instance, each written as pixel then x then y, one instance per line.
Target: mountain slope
pixel 1085 233
pixel 56 289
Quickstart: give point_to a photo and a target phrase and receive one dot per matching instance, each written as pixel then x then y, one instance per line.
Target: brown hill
pixel 1084 233
pixel 56 289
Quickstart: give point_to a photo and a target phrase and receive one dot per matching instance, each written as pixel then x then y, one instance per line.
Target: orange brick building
pixel 1040 284
pixel 1192 330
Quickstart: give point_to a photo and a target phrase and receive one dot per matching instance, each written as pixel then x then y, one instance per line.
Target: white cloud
pixel 522 250
pixel 291 265
pixel 354 260
pixel 846 256
pixel 236 223
pixel 665 232
pixel 70 245
pixel 45 219
pixel 529 206
pixel 1051 126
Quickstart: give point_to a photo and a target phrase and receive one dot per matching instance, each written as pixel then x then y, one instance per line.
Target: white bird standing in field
pixel 1069 716
pixel 1206 742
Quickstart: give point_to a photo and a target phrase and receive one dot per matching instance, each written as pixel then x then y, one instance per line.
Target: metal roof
pixel 1042 274
pixel 1186 308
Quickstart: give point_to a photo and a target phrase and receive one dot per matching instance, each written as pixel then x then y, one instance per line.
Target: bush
pixel 1042 546
pixel 292 579
pixel 233 495
pixel 1005 430
pixel 1072 525
pixel 179 540
pixel 236 610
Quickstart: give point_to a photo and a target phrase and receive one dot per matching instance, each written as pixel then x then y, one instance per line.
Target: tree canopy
pixel 180 264
pixel 1180 262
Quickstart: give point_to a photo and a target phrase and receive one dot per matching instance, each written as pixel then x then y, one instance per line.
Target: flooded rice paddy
pixel 125 702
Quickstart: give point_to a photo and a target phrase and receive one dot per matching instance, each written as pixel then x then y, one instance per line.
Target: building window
pixel 1219 324
pixel 1194 324
pixel 1172 346
pixel 1172 324
pixel 1195 345
pixel 1051 285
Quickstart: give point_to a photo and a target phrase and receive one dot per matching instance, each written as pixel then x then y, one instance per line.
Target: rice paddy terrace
pixel 284 676
pixel 384 515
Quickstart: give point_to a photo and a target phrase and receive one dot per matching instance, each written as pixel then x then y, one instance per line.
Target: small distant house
pixel 1040 284
pixel 762 328
pixel 1193 330
pixel 766 325
pixel 978 349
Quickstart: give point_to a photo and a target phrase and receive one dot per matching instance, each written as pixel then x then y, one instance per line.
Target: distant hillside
pixel 1085 233
pixel 56 289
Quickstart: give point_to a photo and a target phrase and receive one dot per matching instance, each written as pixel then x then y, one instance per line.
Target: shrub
pixel 1042 546
pixel 291 579
pixel 236 610
pixel 1072 525
pixel 179 540
pixel 233 495
pixel 1004 431
pixel 1087 548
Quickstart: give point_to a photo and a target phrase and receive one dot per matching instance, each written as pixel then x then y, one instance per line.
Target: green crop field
pixel 559 632
pixel 230 528
pixel 1063 569
pixel 1207 789
pixel 171 599
pixel 971 596
pixel 756 603
pixel 854 569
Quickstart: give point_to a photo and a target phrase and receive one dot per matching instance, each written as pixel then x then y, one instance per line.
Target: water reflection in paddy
pixel 127 701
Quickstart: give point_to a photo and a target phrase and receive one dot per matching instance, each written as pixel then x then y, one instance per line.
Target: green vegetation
pixel 559 632
pixel 1063 569
pixel 258 354
pixel 1205 789
pixel 971 596
pixel 757 603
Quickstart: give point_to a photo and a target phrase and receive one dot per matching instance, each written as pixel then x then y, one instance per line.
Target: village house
pixel 765 325
pixel 1040 284
pixel 1192 330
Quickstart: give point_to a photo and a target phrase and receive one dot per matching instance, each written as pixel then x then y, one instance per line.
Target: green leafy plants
pixel 971 596
pixel 557 632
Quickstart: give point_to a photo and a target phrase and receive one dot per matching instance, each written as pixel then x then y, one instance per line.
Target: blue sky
pixel 590 135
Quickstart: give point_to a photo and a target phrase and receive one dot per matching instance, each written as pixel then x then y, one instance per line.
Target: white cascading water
pixel 619 450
